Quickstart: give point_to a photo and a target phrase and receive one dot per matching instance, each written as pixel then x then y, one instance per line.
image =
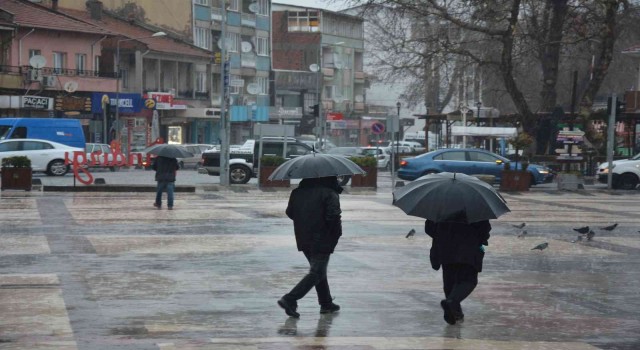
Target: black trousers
pixel 317 277
pixel 459 281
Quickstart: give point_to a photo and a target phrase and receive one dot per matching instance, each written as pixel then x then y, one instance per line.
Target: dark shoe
pixel 170 208
pixel 449 313
pixel 329 309
pixel 459 317
pixel 157 205
pixel 289 308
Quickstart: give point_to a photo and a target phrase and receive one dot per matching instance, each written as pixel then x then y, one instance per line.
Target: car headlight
pixel 543 171
pixel 604 171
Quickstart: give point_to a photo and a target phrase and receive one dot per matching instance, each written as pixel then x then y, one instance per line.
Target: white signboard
pixel 236 82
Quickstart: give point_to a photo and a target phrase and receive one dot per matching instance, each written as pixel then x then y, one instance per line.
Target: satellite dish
pixel 337 64
pixel 253 7
pixel 37 61
pixel 337 99
pixel 254 88
pixel 70 86
pixel 359 98
pixel 228 44
pixel 314 67
pixel 246 46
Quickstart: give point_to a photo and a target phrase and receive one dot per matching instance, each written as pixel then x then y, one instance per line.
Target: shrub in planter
pixel 267 165
pixel 370 165
pixel 16 173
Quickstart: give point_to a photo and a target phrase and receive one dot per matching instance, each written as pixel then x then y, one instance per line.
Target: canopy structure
pixel 485 131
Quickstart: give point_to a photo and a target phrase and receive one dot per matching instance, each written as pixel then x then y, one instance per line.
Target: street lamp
pixel 478 104
pixel 394 155
pixel 464 110
pixel 156 34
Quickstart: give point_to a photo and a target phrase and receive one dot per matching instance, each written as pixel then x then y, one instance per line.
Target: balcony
pixel 358 106
pixel 327 72
pixel 248 20
pixel 359 77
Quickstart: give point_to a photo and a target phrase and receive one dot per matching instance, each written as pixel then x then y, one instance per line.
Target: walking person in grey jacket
pixel 314 207
pixel 166 169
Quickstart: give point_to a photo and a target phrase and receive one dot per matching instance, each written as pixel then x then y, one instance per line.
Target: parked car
pixel 194 162
pixel 382 154
pixel 469 161
pixel 346 151
pixel 625 173
pixel 412 145
pixel 102 154
pixel 46 156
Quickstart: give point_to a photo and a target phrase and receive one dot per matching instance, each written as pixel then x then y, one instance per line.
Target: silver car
pixel 194 162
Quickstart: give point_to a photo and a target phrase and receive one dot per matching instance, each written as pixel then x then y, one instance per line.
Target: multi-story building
pixel 318 59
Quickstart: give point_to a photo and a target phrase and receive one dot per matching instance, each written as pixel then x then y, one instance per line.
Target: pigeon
pixel 520 225
pixel 578 239
pixel 590 235
pixel 411 233
pixel 582 230
pixel 541 246
pixel 609 228
pixel 522 234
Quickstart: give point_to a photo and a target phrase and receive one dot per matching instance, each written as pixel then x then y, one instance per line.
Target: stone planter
pixel 570 182
pixel 265 172
pixel 515 180
pixel 369 180
pixel 16 178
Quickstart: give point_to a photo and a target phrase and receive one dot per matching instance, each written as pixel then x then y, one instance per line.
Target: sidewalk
pixel 107 270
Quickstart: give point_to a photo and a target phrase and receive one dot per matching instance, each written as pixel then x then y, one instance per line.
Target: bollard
pixel 399 183
pixel 99 181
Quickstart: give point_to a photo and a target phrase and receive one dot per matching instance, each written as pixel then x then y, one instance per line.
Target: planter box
pixel 570 182
pixel 369 180
pixel 264 181
pixel 16 179
pixel 515 180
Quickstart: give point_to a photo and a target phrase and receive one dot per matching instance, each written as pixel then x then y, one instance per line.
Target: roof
pixel 30 15
pixel 131 30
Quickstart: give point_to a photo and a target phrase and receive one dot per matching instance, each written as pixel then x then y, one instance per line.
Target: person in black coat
pixel 166 178
pixel 314 207
pixel 459 248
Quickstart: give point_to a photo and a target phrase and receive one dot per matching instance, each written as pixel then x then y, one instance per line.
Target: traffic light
pixel 315 110
pixel 620 106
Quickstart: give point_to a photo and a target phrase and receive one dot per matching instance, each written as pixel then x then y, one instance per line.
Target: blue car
pixel 469 161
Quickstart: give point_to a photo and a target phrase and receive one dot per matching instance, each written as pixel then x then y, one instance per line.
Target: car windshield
pixel 636 157
pixel 371 151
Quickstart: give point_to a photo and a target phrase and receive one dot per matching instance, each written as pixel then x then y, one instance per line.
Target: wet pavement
pixel 108 271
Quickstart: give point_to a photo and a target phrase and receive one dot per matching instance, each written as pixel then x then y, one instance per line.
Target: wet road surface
pixel 109 271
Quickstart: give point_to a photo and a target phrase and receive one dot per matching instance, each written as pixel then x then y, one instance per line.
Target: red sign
pixel 335 116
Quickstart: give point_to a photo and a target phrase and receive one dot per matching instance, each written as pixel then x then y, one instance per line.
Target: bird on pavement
pixel 590 235
pixel 522 234
pixel 582 230
pixel 520 225
pixel 609 228
pixel 411 233
pixel 541 246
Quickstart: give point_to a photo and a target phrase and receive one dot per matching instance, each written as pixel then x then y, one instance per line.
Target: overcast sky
pixel 333 5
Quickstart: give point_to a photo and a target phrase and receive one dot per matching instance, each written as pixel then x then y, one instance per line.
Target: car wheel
pixel 57 168
pixel 181 165
pixel 628 182
pixel 343 180
pixel 239 174
pixel 198 165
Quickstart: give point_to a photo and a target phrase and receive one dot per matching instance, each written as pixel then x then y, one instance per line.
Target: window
pixel 481 157
pixel 296 150
pixel 10 146
pixel 454 155
pixel 34 52
pixel 329 91
pixel 263 7
pixel 264 85
pixel 58 62
pixel 234 89
pixel 234 5
pixel 96 65
pixel 262 46
pixel 233 42
pixel 124 78
pixel 201 2
pixel 303 21
pixel 35 146
pixel 201 82
pixel 81 63
pixel 202 38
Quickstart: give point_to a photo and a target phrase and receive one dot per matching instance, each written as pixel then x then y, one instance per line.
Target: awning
pixel 483 131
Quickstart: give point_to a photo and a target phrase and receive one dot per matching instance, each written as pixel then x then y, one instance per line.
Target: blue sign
pixel 129 103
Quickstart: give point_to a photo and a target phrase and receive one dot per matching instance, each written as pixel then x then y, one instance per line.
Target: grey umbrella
pixel 315 165
pixel 170 151
pixel 438 196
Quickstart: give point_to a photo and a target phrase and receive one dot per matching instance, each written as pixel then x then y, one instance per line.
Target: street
pixel 107 270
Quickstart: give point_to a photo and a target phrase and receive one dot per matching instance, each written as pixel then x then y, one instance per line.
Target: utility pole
pixel 225 121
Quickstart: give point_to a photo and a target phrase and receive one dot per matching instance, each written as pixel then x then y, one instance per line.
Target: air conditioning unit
pixel 34 75
pixel 49 80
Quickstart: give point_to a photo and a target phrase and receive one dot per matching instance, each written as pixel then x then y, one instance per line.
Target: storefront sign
pixel 285 112
pixel 128 103
pixel 35 102
pixel 335 116
pixel 338 124
pixel 296 80
pixel 70 103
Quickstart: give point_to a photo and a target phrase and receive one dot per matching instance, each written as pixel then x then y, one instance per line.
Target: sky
pixel 333 5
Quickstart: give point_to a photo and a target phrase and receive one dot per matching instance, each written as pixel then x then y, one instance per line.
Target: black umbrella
pixel 170 151
pixel 438 196
pixel 315 165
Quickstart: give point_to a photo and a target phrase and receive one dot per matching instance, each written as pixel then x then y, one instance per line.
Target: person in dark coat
pixel 459 248
pixel 314 207
pixel 166 169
